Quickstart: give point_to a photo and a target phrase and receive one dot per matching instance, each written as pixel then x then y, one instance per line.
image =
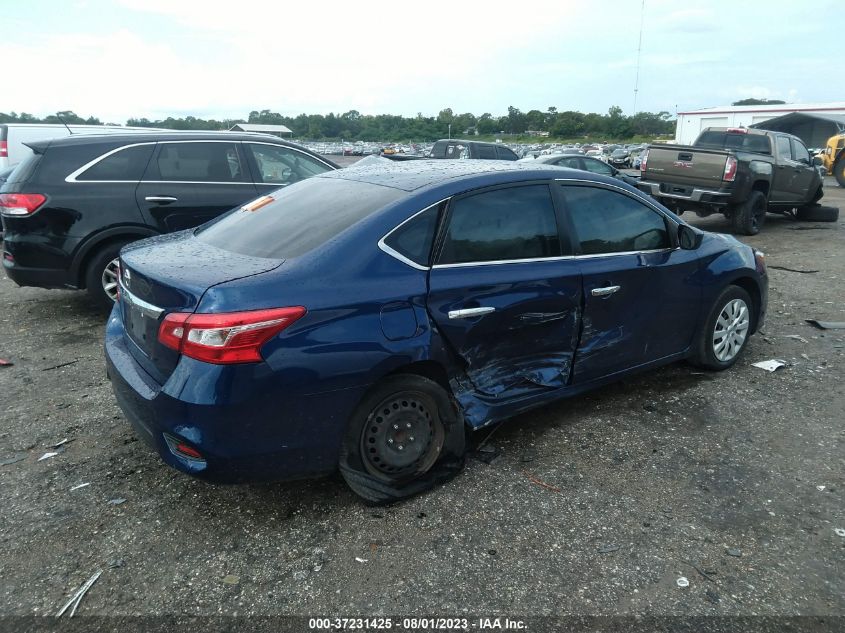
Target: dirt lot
pixel 591 506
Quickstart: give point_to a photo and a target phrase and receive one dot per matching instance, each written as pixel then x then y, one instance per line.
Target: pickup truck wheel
pixel 725 332
pixel 748 218
pixel 817 213
pixel 404 437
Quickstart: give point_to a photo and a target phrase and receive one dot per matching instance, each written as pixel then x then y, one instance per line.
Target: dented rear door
pixel 505 291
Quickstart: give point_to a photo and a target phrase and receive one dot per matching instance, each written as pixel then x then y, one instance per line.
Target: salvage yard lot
pixel 593 505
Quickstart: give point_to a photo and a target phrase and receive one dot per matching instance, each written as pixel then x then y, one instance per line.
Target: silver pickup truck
pixel 739 172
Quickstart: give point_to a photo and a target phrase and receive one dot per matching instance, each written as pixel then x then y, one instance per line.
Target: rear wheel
pixel 405 437
pixel 748 218
pixel 101 275
pixel 726 330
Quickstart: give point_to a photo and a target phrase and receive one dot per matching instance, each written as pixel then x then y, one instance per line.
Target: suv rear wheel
pixel 101 275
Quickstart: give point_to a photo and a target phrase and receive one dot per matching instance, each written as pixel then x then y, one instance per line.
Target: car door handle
pixel 605 292
pixel 161 199
pixel 468 313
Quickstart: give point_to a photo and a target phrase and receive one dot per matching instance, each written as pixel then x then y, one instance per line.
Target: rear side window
pixel 278 165
pixel 505 153
pixel 413 239
pixel 783 147
pixel 485 151
pixel 610 222
pixel 198 162
pixel 24 169
pixel 127 163
pixel 597 167
pixel 300 218
pixel 503 224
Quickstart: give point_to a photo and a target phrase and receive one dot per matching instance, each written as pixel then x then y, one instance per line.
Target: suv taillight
pixel 4 149
pixel 644 161
pixel 20 203
pixel 730 169
pixel 225 338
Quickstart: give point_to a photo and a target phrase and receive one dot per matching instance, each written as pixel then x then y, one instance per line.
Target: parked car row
pixel 285 318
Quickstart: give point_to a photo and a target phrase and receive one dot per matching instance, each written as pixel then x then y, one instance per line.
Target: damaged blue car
pixel 366 319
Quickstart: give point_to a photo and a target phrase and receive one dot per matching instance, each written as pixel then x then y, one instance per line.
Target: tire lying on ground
pixel 818 213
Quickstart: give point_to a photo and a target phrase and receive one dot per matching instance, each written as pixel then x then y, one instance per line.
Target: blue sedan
pixel 365 319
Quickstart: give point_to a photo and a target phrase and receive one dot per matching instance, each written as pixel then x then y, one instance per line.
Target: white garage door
pixel 713 121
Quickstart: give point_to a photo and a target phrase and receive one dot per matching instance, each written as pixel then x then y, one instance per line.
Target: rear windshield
pixel 755 143
pixel 298 219
pixel 24 169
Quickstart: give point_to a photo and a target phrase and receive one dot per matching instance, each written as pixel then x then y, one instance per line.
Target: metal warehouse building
pixel 691 123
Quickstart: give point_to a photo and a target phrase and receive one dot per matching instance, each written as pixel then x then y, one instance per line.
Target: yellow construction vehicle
pixel 833 157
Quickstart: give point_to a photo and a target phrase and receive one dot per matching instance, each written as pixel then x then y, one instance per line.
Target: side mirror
pixel 688 238
pixel 817 161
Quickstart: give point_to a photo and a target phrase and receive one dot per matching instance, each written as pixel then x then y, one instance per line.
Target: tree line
pixel 354 126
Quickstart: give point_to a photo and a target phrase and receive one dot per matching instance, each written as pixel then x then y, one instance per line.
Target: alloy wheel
pixel 109 279
pixel 731 330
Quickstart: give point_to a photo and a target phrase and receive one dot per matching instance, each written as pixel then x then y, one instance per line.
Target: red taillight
pixel 730 169
pixel 644 161
pixel 230 337
pixel 20 203
pixel 4 149
pixel 737 130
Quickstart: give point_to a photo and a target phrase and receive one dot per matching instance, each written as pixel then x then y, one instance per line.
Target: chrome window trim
pixel 145 307
pixel 396 254
pixel 531 260
pixel 72 176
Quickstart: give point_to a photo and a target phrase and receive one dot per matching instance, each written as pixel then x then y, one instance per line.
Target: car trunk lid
pixel 683 165
pixel 169 274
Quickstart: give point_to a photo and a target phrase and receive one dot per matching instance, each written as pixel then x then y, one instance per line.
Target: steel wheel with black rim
pixel 725 332
pixel 749 217
pixel 404 437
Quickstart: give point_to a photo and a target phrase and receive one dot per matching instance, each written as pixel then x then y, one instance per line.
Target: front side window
pixel 487 152
pixel 279 165
pixel 503 224
pixel 799 152
pixel 573 162
pixel 127 163
pixel 783 147
pixel 611 222
pixel 199 162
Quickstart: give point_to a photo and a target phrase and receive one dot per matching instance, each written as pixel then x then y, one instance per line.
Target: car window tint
pixel 414 238
pixel 573 162
pixel 597 167
pixel 279 165
pixel 799 152
pixel 487 152
pixel 200 162
pixel 505 153
pixel 126 164
pixel 611 222
pixel 783 147
pixel 504 224
pixel 756 143
pixel 300 217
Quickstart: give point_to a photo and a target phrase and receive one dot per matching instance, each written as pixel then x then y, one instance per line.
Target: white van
pixel 14 135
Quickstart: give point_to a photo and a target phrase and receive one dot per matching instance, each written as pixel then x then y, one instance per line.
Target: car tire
pixel 405 437
pixel 839 171
pixel 101 273
pixel 749 217
pixel 731 317
pixel 817 213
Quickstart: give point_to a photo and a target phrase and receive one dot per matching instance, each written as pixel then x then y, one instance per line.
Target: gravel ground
pixel 595 505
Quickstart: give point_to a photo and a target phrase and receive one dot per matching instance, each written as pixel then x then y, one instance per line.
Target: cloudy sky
pixel 116 59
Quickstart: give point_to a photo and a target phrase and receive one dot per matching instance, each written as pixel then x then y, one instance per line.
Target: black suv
pixel 455 148
pixel 68 209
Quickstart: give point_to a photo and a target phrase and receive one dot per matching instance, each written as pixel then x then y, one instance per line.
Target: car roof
pixel 465 142
pixel 417 174
pixel 153 136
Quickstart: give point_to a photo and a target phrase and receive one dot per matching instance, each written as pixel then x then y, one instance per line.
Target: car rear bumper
pixel 37 277
pixel 685 193
pixel 269 435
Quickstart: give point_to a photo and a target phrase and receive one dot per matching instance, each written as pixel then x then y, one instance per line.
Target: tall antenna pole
pixel 639 52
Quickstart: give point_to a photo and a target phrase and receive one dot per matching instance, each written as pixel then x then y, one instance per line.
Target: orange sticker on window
pixel 256 204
